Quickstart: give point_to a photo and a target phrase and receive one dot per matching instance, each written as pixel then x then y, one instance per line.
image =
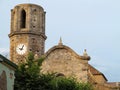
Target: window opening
pixel 23 19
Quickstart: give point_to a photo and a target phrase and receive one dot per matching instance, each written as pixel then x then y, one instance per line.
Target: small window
pixel 11 75
pixel 23 19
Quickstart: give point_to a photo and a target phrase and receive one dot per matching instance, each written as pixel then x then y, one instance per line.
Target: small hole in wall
pixel 11 75
pixel 33 26
pixel 21 60
pixel 33 38
pixel 35 10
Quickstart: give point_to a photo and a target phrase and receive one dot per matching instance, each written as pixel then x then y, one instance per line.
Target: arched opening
pixel 23 19
pixel 59 75
pixel 3 81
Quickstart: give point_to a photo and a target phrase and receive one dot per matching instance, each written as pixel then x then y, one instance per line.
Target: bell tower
pixel 27 31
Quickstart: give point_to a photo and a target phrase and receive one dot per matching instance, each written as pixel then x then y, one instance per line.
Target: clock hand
pixel 22 47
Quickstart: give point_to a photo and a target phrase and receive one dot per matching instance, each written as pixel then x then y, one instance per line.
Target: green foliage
pixel 62 83
pixel 27 74
pixel 50 82
pixel 28 77
pixel 85 86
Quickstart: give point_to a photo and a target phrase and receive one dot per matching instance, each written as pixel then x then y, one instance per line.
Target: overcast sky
pixel 83 24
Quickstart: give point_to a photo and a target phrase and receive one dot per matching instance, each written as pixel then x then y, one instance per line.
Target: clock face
pixel 21 49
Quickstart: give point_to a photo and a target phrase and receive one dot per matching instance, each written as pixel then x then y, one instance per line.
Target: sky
pixel 83 24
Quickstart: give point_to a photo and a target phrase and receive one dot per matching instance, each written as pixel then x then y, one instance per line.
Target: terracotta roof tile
pixel 94 71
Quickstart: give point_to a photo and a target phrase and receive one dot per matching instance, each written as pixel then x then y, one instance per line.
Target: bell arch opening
pixel 23 19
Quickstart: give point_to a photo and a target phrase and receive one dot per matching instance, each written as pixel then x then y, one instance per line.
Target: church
pixel 27 34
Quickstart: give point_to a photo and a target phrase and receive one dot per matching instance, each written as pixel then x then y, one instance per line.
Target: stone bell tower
pixel 27 31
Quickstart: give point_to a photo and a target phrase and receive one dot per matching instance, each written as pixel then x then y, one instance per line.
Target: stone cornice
pixel 25 32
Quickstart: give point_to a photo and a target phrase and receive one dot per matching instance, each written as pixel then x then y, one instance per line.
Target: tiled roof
pixel 112 83
pixel 94 71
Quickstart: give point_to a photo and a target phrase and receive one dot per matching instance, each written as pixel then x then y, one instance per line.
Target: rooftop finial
pixel 60 41
pixel 85 53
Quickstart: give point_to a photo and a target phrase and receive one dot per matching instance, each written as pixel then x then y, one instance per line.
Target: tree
pixel 51 82
pixel 27 74
pixel 29 77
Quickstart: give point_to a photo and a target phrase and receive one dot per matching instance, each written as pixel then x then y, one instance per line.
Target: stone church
pixel 27 34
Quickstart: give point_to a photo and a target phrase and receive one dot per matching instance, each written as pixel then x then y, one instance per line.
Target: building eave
pixel 5 60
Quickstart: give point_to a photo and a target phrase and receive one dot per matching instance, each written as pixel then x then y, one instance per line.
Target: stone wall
pixel 6 77
pixel 66 62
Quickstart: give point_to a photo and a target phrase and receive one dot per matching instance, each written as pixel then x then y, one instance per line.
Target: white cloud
pixel 4 50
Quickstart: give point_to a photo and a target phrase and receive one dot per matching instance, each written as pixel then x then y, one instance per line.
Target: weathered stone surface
pixel 28 28
pixel 61 59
